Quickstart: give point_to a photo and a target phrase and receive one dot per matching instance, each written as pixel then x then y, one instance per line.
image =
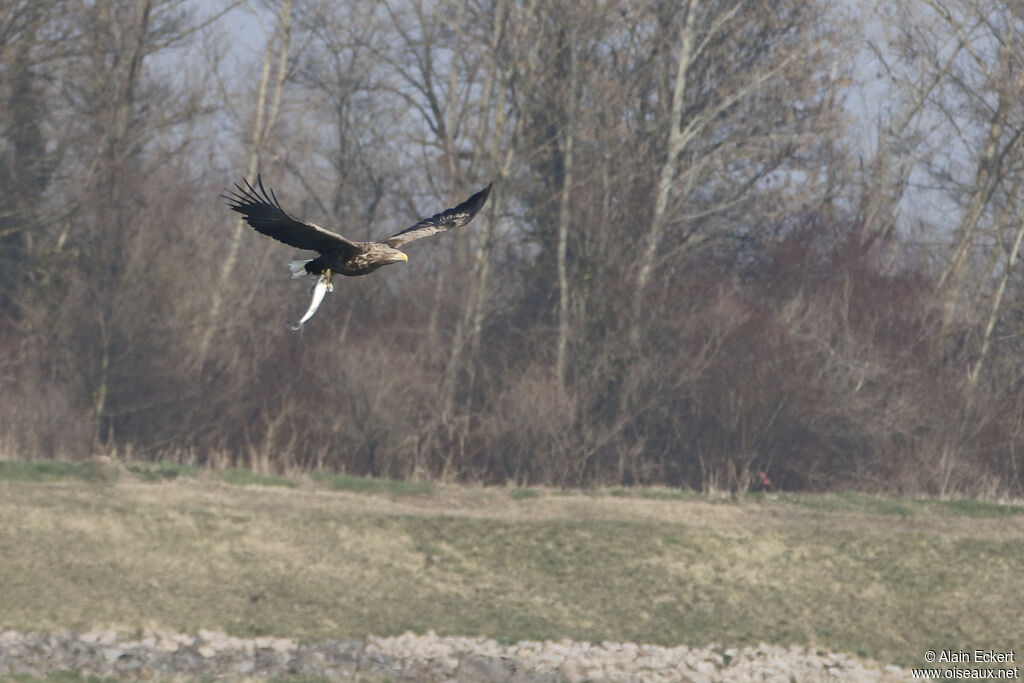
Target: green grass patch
pixel 979 508
pixel 839 572
pixel 523 493
pixel 52 470
pixel 851 501
pixel 162 470
pixel 345 482
pixel 651 493
pixel 61 677
pixel 240 477
pixel 880 505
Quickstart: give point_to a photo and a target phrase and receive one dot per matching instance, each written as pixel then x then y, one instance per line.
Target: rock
pixel 111 654
pixel 412 657
pixel 472 668
pixel 244 667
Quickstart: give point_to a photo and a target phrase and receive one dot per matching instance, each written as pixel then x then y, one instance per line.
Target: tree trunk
pixel 564 219
pixel 670 169
pixel 261 130
pixel 989 174
pixel 1012 256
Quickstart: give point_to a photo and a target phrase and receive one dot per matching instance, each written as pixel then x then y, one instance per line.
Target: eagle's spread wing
pixel 263 212
pixel 446 220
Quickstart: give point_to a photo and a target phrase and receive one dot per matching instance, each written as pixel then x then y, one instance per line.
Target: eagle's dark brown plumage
pixel 338 254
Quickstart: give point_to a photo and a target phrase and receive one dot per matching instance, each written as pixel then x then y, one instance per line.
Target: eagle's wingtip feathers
pixel 478 200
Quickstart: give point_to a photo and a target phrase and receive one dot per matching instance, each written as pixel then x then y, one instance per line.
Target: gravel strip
pixel 411 657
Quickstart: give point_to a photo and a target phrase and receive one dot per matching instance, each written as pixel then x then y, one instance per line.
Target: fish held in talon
pixel 320 290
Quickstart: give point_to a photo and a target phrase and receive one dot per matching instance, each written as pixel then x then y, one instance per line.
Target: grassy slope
pixel 880 578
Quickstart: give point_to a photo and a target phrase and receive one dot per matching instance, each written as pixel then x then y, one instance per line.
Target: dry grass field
pixel 335 557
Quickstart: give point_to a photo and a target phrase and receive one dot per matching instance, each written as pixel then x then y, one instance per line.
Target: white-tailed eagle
pixel 337 254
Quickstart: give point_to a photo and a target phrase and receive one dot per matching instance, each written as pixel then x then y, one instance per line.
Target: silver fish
pixel 320 290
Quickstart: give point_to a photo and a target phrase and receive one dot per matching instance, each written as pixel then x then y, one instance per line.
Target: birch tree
pixel 739 112
pixel 267 107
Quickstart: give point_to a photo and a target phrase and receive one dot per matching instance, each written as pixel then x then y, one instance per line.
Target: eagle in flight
pixel 337 254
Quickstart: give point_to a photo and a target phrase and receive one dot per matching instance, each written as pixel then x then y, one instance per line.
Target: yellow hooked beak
pixel 401 256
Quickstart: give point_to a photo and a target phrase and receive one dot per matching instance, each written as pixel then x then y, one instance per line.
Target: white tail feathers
pixel 298 268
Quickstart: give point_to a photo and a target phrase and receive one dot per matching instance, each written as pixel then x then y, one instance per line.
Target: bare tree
pixel 267 106
pixel 26 166
pixel 682 275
